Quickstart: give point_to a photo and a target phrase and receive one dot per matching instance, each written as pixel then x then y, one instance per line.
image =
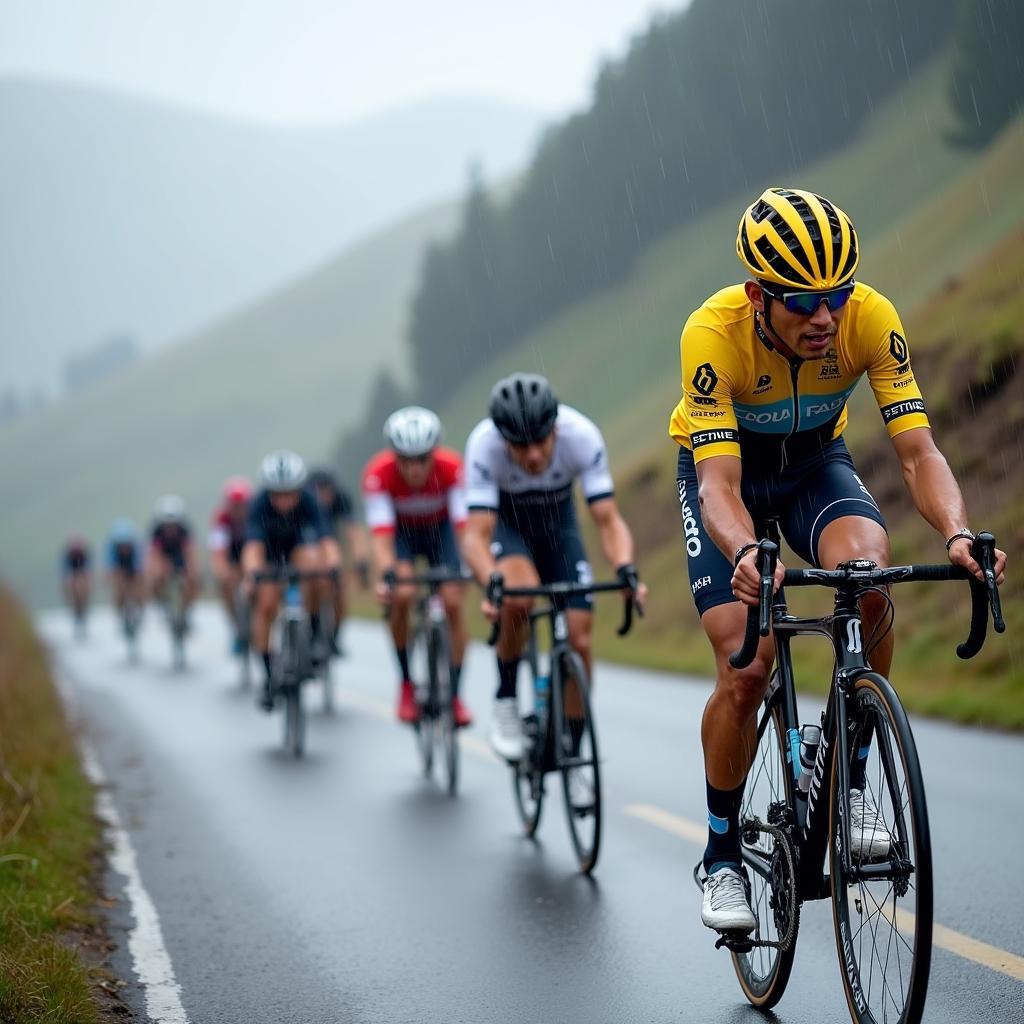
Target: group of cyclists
pixel 767 368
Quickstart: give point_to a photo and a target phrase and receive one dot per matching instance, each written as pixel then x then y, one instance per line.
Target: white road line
pixel 992 957
pixel 150 959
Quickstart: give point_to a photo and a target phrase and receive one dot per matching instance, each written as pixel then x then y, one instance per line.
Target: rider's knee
pixel 516 608
pixel 744 688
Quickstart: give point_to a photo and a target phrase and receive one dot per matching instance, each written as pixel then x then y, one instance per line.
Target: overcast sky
pixel 318 60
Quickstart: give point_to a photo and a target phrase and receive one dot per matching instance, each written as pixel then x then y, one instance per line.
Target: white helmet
pixel 169 509
pixel 413 431
pixel 282 471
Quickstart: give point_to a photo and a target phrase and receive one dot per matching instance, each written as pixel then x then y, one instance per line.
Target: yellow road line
pixel 669 822
pixel 992 957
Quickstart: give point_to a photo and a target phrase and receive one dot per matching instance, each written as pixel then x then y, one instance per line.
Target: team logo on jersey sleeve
pixel 705 380
pixel 898 348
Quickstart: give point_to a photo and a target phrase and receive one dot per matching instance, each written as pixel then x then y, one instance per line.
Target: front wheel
pixel 294 721
pixel 764 970
pixel 441 701
pixel 882 894
pixel 578 761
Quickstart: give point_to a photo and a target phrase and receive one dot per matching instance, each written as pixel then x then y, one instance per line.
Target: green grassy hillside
pixel 927 214
pixel 290 371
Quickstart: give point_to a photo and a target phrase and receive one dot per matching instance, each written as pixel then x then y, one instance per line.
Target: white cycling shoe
pixel 581 793
pixel 726 906
pixel 507 729
pixel 869 837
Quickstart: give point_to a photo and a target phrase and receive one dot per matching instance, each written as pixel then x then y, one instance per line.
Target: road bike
pixel 243 645
pixel 176 613
pixel 130 615
pixel 430 660
pixel 291 650
pixel 560 732
pixel 797 803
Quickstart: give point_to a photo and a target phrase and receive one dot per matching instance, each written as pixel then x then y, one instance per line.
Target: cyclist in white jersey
pixel 521 465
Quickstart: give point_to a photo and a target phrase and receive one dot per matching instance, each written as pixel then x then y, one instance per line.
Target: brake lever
pixel 984 552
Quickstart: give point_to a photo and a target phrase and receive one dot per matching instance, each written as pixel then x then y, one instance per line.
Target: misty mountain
pixel 124 215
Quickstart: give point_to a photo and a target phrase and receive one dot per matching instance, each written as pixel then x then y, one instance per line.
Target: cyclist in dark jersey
pixel 286 526
pixel 171 550
pixel 76 578
pixel 336 505
pixel 124 564
pixel 228 530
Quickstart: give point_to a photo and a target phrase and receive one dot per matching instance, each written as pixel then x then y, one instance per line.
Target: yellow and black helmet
pixel 798 239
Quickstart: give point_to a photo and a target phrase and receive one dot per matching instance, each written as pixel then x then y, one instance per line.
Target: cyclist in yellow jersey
pixel 767 368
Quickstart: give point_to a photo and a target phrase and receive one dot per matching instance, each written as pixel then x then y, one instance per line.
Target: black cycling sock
pixel 507 674
pixel 455 677
pixel 859 767
pixel 265 655
pixel 575 726
pixel 314 623
pixel 723 827
pixel 402 654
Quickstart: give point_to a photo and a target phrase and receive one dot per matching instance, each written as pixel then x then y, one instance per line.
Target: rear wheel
pixel 882 904
pixel 763 971
pixel 421 671
pixel 293 666
pixel 578 761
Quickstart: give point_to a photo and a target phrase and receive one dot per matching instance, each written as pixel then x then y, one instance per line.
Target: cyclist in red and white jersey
pixel 225 542
pixel 415 505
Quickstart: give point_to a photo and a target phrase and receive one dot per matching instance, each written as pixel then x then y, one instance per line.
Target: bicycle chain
pixel 783 842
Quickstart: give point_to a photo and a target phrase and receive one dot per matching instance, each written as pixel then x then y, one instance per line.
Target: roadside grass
pixel 48 838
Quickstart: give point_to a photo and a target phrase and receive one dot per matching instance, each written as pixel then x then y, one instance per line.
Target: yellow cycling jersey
pixel 742 397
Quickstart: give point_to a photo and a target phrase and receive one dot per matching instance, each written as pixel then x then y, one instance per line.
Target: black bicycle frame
pixel 845 632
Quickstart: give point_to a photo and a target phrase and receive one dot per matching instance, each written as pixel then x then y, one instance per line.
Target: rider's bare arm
pixel 254 556
pixel 476 543
pixel 382 546
pixel 937 495
pixel 612 531
pixel 330 551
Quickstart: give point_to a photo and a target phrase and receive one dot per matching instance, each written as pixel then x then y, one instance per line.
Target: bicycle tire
pixel 293 664
pixel 893 780
pixel 441 692
pixel 763 972
pixel 528 771
pixel 422 672
pixel 584 822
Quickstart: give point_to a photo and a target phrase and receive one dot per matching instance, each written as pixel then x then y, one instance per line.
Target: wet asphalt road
pixel 344 887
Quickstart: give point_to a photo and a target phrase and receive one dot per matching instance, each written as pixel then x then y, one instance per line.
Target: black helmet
pixel 523 408
pixel 321 476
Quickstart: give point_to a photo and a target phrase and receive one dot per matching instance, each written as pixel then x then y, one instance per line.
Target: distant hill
pixel 124 215
pixel 290 370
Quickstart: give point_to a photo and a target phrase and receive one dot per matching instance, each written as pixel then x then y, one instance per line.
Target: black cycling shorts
pixel 805 498
pixel 434 542
pixel 557 555
pixel 281 544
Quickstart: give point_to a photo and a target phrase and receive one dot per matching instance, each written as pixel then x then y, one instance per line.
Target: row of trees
pixel 707 103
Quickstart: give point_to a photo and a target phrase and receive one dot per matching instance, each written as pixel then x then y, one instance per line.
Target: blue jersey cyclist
pixel 76 577
pixel 522 464
pixel 767 367
pixel 286 527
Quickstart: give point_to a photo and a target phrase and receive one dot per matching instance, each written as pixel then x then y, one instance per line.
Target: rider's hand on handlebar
pixel 746 578
pixel 491 604
pixel 628 575
pixel 384 590
pixel 960 554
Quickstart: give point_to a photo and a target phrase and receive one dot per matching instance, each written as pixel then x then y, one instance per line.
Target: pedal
pixel 735 942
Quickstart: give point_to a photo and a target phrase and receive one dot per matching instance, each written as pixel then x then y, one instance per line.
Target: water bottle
pixel 541 686
pixel 810 736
